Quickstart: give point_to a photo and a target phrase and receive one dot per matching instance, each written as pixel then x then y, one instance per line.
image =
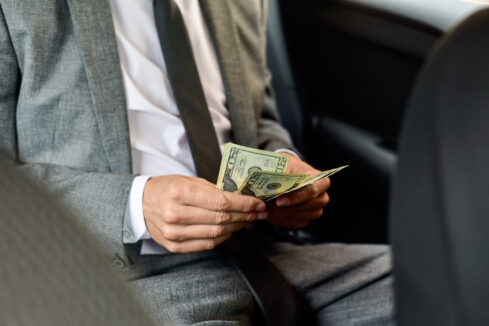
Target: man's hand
pixel 298 208
pixel 186 214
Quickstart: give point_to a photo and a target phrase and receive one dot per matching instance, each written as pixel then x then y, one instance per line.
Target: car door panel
pixel 354 63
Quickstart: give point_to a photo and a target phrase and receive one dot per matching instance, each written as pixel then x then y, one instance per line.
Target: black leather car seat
pixel 440 200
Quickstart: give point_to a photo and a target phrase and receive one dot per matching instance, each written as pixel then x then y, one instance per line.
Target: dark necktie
pixel 273 294
pixel 187 89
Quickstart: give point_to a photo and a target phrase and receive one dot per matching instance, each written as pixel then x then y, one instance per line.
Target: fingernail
pixel 262 215
pixel 261 207
pixel 282 202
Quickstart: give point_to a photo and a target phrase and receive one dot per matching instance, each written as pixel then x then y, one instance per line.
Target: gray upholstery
pixel 440 210
pixel 50 272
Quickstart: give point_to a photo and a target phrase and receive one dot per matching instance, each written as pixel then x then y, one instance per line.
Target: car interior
pixel 343 73
pixel 439 208
pixel 354 85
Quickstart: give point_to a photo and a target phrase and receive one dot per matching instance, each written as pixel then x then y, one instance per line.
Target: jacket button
pixel 126 234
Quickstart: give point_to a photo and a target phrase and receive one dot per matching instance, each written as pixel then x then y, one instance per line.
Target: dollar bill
pixel 238 161
pixel 266 184
pixel 311 180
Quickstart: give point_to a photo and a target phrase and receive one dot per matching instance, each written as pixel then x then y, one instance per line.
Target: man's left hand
pixel 298 208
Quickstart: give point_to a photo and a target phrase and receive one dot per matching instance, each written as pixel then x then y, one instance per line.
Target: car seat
pixel 440 198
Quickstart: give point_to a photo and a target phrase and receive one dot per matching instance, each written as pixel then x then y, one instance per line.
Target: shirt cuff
pixel 134 228
pixel 288 151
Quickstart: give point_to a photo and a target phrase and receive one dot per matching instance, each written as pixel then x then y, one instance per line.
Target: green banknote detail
pixel 266 185
pixel 261 173
pixel 238 161
pixel 311 180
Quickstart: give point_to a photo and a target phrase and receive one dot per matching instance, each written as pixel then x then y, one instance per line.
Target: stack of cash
pixel 261 174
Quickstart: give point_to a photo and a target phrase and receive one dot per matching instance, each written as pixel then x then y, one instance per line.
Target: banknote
pixel 311 180
pixel 238 161
pixel 266 184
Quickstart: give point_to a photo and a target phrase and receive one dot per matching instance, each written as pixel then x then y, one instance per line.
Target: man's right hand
pixel 188 214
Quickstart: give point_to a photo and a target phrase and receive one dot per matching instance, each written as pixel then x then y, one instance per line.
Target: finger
pixel 214 199
pixel 321 201
pixel 291 224
pixel 187 215
pixel 193 245
pixel 305 194
pixel 296 215
pixel 181 233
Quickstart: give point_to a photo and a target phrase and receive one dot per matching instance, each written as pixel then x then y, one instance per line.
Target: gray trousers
pixel 341 284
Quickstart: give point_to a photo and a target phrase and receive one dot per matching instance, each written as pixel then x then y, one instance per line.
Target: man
pixel 87 102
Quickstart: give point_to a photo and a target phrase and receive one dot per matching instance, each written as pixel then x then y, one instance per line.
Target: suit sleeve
pixel 271 134
pixel 97 200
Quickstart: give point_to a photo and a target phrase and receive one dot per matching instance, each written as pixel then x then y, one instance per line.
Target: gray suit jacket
pixel 62 108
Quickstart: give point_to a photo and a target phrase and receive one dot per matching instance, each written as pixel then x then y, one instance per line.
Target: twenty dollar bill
pixel 269 185
pixel 238 161
pixel 266 185
pixel 309 181
pixel 261 174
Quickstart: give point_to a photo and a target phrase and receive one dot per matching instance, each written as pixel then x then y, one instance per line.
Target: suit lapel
pixel 223 33
pixel 94 29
